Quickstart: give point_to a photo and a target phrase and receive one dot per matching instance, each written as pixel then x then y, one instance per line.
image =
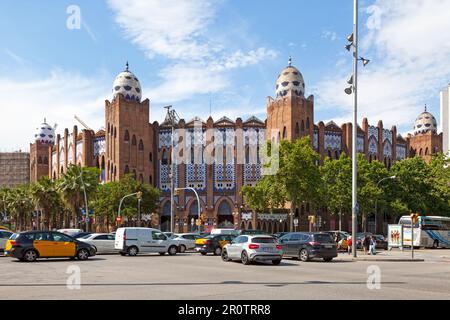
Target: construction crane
pixel 82 123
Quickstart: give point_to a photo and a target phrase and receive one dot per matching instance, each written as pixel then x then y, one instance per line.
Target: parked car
pixel 81 235
pixel 4 236
pixel 5 228
pixel 250 248
pixel 342 244
pixel 309 245
pixel 382 242
pixel 102 242
pixel 133 241
pixel 251 232
pixel 31 245
pixel 278 235
pixel 70 232
pixel 213 243
pixel 186 241
pixel 225 231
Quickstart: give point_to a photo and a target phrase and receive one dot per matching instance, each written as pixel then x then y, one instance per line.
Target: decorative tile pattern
pixel 164 177
pixel 333 141
pixel 99 146
pixel 373 145
pixel 373 132
pixel 360 144
pixel 224 176
pixel 387 149
pixel 196 176
pixel 70 154
pixel 316 140
pixel 387 135
pixel 80 151
pixel 401 151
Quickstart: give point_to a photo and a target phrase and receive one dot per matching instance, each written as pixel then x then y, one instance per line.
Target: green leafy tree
pixel 20 204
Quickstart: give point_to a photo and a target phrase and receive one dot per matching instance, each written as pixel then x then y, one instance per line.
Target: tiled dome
pixel 290 79
pixel 45 134
pixel 128 85
pixel 425 122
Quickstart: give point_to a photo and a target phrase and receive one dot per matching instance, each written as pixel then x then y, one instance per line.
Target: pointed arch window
pixel 133 140
pixel 303 126
pixel 127 170
pixel 127 136
pixel 297 128
pixel 164 160
pixel 284 133
pixel 307 124
pixel 141 145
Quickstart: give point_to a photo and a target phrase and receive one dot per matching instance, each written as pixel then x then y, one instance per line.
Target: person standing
pixel 366 244
pixel 373 246
pixel 349 244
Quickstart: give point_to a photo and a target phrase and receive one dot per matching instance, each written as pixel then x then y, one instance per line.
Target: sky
pixel 216 57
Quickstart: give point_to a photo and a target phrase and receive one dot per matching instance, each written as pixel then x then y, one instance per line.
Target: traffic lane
pixel 207 277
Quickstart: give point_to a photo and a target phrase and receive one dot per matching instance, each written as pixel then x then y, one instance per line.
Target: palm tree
pixel 46 197
pixel 73 184
pixel 20 204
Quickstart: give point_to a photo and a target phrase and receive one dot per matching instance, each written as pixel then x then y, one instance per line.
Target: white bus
pixel 429 232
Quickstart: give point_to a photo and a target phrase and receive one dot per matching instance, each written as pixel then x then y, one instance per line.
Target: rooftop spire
pixel 290 61
pixel 126 66
pixel 425 107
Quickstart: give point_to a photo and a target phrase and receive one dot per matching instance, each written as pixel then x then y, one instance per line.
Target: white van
pixel 132 241
pixel 225 231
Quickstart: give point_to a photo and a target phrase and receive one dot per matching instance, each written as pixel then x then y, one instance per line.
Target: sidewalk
pixel 384 255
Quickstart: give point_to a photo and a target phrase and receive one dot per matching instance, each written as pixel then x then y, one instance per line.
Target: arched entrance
pixel 193 216
pixel 165 217
pixel 225 215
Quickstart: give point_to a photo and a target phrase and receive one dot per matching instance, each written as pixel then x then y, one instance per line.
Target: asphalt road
pixel 192 276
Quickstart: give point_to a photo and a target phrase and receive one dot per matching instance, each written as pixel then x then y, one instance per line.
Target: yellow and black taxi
pixel 213 243
pixel 31 245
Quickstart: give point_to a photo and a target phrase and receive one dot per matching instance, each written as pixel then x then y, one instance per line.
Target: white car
pixel 70 232
pixel 4 236
pixel 102 242
pixel 186 241
pixel 248 249
pixel 132 241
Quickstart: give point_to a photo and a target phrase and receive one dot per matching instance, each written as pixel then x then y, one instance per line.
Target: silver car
pixel 249 249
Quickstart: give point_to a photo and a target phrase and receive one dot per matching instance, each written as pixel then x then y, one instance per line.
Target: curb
pixel 389 260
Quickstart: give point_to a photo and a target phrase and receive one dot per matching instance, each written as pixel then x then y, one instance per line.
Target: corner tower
pixel 129 135
pixel 290 115
pixel 40 151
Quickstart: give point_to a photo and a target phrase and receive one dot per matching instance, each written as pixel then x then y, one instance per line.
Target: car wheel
pixel 82 254
pixel 244 258
pixel 435 244
pixel 303 255
pixel 276 262
pixel 30 255
pixel 182 248
pixel 172 250
pixel 132 251
pixel 218 251
pixel 328 259
pixel 225 256
pixel 203 253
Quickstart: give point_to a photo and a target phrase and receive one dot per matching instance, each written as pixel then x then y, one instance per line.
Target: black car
pixel 382 242
pixel 278 235
pixel 32 245
pixel 252 232
pixel 213 243
pixel 309 245
pixel 81 235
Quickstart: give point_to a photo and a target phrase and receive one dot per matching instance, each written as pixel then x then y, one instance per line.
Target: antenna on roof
pixel 210 104
pixel 425 107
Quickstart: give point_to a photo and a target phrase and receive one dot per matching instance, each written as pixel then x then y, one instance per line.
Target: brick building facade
pixel 132 144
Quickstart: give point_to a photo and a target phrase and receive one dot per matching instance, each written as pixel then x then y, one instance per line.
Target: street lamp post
pixel 123 198
pixel 353 81
pixel 376 201
pixel 85 199
pixel 198 202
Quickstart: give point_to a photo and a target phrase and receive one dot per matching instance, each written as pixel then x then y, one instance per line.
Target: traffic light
pixel 139 195
pixel 414 217
pixel 312 219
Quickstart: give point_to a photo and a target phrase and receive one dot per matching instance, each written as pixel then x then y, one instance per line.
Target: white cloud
pixel 330 35
pixel 58 97
pixel 409 45
pixel 178 30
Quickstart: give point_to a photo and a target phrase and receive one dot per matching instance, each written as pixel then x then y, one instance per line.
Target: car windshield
pixel 85 236
pixel 263 240
pixel 323 238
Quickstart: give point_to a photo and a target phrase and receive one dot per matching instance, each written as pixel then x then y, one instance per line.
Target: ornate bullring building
pixel 131 144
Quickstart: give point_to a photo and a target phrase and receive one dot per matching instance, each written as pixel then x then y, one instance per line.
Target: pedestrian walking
pixel 366 244
pixel 373 246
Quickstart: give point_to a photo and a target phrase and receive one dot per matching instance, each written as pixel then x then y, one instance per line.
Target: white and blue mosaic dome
pixel 45 133
pixel 425 122
pixel 128 85
pixel 290 79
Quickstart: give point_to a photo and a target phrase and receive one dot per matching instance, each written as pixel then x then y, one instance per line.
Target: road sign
pixel 296 222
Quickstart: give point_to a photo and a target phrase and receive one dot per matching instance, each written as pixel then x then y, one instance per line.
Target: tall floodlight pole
pixel 355 127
